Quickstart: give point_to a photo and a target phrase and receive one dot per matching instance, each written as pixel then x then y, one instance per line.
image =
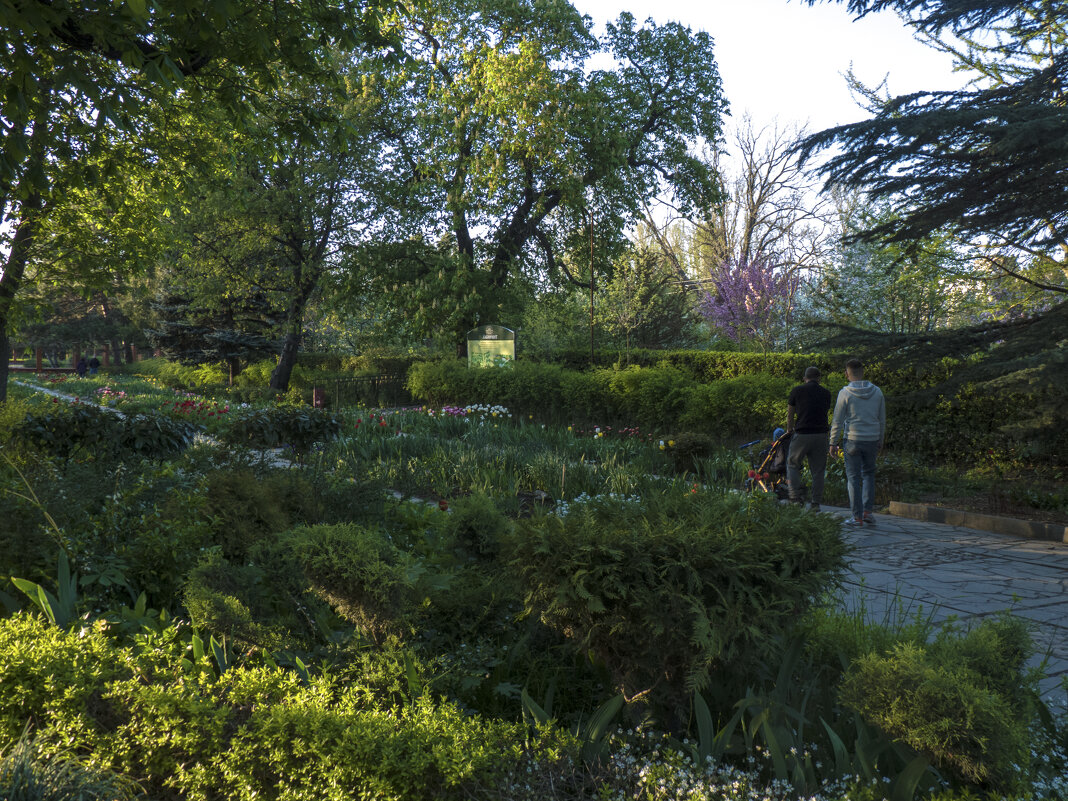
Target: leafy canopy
pixel 986 162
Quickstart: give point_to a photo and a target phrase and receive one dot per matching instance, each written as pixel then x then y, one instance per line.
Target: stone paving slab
pixel 902 567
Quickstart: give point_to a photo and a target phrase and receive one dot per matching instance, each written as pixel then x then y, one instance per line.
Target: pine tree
pixel 985 163
pixel 235 332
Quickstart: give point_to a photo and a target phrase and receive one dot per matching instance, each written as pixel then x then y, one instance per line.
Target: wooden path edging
pixel 1028 529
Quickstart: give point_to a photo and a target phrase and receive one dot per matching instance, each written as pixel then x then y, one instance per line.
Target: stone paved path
pixel 903 564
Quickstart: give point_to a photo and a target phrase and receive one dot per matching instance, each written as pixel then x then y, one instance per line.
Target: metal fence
pixel 369 390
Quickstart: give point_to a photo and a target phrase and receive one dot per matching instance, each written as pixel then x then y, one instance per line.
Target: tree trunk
pixel 11 280
pixel 116 317
pixel 287 359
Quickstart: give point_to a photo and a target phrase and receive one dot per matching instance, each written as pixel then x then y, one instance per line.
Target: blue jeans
pixel 860 475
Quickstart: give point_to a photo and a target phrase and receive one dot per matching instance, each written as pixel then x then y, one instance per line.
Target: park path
pixel 902 564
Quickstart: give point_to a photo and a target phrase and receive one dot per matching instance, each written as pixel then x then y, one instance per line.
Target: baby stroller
pixel 768 471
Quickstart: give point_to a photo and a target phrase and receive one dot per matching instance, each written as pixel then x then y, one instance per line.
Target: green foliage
pixel 52 676
pixel 68 429
pixel 361 574
pixel 12 413
pixel 963 700
pixel 749 404
pixel 297 427
pixel 61 609
pixel 82 428
pixel 154 436
pixel 477 526
pixel 691 453
pixel 232 600
pixel 701 365
pixel 973 160
pixel 976 418
pixel 667 592
pixel 650 395
pixel 183 376
pixel 27 775
pixel 261 732
pixel 661 397
pixel 244 508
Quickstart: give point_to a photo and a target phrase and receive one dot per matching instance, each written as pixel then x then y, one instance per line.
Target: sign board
pixel 490 346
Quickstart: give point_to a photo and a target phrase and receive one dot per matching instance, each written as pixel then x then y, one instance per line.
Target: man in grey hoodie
pixel 860 421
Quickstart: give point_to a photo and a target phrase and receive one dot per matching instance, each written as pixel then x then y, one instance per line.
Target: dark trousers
pixel 812 447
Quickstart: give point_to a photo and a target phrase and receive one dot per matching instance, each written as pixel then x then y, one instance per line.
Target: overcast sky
pixel 786 60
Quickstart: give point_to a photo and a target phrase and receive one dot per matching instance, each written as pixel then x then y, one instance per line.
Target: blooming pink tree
pixel 749 300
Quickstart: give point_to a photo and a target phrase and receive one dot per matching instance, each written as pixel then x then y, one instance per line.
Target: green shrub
pixel 249 733
pixel 322 742
pixel 256 375
pixel 70 428
pixel 52 678
pixel 666 591
pixel 361 574
pixel 296 427
pixel 962 701
pixel 12 413
pixel 749 405
pixel 243 603
pixel 78 427
pixel 477 526
pixel 174 374
pixel 244 507
pixel 154 436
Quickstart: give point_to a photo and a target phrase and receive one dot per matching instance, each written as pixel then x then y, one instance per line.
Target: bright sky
pixel 784 60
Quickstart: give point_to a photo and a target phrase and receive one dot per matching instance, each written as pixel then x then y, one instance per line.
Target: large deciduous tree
pixel 888 287
pixel 769 209
pixel 75 74
pixel 504 142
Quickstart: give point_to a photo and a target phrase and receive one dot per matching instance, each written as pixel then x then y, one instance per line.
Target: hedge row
pixel 654 398
pixel 701 365
pixel 971 425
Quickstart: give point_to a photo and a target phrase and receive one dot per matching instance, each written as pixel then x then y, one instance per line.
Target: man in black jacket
pixel 806 419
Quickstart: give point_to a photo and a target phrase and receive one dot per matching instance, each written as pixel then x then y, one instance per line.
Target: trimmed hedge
pixel 662 398
pixel 700 365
